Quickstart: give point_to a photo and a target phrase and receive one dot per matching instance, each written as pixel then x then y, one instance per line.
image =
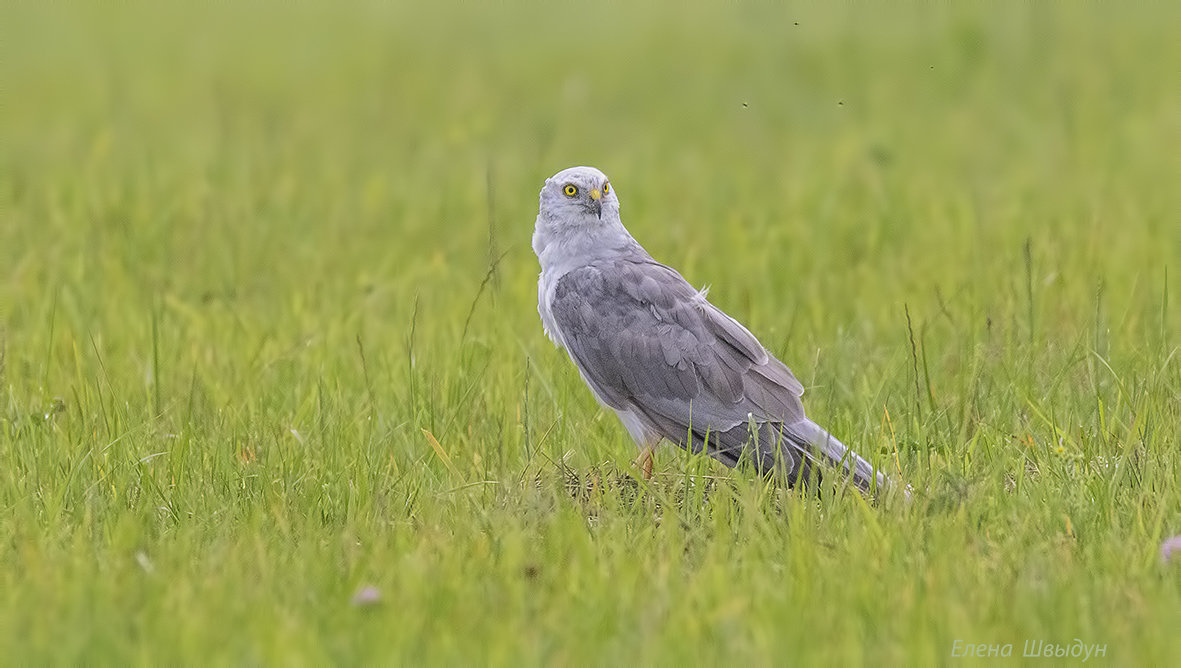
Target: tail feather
pixel 811 440
pixel 801 450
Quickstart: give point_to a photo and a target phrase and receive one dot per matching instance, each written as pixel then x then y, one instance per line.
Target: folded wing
pixel 647 342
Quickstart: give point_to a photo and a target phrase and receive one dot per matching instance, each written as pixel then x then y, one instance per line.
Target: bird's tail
pixel 816 444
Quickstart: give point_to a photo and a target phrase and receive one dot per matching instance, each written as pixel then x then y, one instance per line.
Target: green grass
pixel 254 257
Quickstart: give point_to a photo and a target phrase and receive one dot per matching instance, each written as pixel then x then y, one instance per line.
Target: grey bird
pixel 656 351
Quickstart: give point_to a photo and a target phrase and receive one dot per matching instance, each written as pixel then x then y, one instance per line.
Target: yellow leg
pixel 645 461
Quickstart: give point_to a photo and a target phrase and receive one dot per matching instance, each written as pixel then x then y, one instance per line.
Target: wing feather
pixel 647 342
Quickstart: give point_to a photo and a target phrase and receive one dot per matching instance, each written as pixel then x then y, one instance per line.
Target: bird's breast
pixel 545 299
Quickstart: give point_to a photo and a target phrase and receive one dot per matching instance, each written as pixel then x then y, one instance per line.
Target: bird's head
pixel 579 196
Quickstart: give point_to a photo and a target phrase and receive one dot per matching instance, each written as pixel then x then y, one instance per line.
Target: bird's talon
pixel 645 462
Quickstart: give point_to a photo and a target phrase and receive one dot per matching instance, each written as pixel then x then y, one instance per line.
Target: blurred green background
pixel 270 332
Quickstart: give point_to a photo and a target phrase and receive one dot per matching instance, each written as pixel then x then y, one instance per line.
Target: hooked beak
pixel 596 205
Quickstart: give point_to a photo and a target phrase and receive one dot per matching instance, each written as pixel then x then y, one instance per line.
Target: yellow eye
pixel 570 190
pixel 606 188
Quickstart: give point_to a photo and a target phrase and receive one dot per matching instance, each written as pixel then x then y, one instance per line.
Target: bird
pixel 653 349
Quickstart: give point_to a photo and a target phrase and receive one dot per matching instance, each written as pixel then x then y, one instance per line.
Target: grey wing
pixel 647 342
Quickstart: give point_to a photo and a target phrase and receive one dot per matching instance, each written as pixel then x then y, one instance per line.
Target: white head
pixel 578 216
pixel 579 196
